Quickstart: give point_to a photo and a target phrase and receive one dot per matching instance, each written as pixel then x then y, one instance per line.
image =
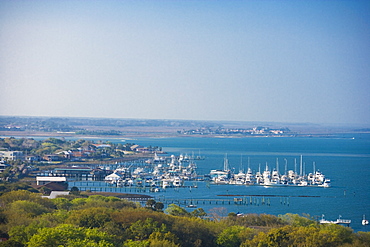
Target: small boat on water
pixel 364 221
pixel 338 221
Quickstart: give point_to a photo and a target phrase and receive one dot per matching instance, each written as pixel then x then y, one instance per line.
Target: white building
pixel 11 155
pixel 54 194
pixel 45 180
pixel 114 177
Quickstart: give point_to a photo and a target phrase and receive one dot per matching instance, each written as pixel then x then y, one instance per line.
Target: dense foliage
pixel 26 219
pixel 53 145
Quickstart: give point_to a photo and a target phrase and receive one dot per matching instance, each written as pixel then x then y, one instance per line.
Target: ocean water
pixel 345 159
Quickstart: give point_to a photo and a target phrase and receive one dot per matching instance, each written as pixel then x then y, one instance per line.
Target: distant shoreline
pixel 39 134
pixel 87 128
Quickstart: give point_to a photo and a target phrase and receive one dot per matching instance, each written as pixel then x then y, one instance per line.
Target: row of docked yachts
pixel 174 171
pixel 268 177
pixel 159 173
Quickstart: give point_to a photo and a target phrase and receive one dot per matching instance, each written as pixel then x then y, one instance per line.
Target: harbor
pixel 344 161
pixel 171 172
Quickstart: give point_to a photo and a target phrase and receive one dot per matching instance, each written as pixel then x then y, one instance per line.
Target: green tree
pixel 141 230
pixel 167 239
pixel 230 236
pixel 262 220
pixel 310 236
pixel 116 230
pixel 162 243
pixel 90 217
pixel 150 203
pixel 176 210
pixel 11 243
pixel 137 243
pixel 70 236
pixel 193 231
pixel 55 141
pixel 22 212
pixel 23 233
pixel 14 186
pixel 25 208
pixel 78 202
pixel 18 195
pixel 362 239
pixel 75 191
pixel 339 234
pixel 199 212
pixel 260 240
pixel 296 220
pixel 103 201
pixel 59 235
pixel 62 203
pixel 231 215
pixel 159 206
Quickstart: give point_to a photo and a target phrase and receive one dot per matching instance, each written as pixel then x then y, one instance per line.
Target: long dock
pixel 246 201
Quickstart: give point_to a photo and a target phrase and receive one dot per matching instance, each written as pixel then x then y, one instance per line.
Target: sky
pixel 274 61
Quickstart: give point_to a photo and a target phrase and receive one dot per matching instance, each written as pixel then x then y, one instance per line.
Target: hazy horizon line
pixel 348 124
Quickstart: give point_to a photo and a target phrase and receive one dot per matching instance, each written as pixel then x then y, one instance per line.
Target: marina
pixel 344 160
pixel 171 172
pixel 270 178
pixel 159 172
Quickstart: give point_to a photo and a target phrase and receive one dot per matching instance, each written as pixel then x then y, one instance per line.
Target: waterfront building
pixel 11 155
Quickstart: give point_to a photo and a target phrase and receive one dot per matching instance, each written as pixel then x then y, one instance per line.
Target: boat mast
pixel 226 164
pixel 295 165
pixel 286 166
pixel 241 168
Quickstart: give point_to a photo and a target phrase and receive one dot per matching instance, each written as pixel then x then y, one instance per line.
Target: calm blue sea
pixel 344 159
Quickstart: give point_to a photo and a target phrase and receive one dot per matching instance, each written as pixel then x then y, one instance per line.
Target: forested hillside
pixel 27 219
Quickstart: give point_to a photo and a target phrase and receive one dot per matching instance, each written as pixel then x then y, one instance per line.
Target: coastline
pixel 131 136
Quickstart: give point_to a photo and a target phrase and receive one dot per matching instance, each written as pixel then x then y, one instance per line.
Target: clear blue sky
pixel 282 61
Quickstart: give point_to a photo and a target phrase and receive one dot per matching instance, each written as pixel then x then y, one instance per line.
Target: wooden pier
pixel 232 201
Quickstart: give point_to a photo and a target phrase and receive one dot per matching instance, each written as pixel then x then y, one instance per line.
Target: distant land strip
pixel 269 195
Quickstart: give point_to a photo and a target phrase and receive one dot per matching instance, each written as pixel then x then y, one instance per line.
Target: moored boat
pixel 270 178
pixel 364 221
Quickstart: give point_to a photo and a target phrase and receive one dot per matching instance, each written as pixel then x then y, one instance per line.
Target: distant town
pixel 80 127
pixel 255 131
pixel 24 157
